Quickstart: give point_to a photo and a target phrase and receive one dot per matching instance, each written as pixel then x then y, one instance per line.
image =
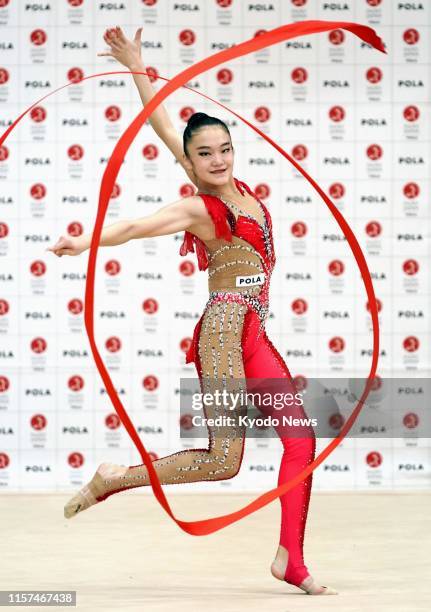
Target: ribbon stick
pixel 264 40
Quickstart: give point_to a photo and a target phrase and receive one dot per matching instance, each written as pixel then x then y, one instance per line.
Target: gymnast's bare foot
pixel 278 570
pixel 96 490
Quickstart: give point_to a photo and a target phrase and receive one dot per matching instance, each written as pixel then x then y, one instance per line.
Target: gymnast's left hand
pixel 123 49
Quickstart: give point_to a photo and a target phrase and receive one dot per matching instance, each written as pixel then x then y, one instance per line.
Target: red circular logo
pixel 336 37
pixel 76 383
pixel 75 306
pixel 411 420
pixel 152 73
pixel 38 37
pixel 150 383
pixel 185 344
pixel 4 153
pixel 336 191
pixel 4 307
pixel 298 229
pixel 336 267
pixel 4 384
pixel 374 75
pixel 376 383
pixel 336 113
pixel 113 344
pixel 374 152
pixel 299 152
pixel 187 37
pixel 38 345
pixel 187 190
pixel 4 76
pixel 150 306
pixel 38 114
pixel 299 306
pixel 224 76
pixel 262 114
pixel 411 113
pixel 37 268
pixel 186 112
pixel 299 75
pixel 112 421
pixel 411 36
pixel 262 191
pixel 116 190
pixel 379 305
pixel 4 461
pixel 75 228
pixel 75 460
pixel 75 152
pixel 75 74
pixel 336 421
pixel 112 267
pixel 38 191
pixel 186 421
pixel 301 382
pixel 411 190
pixel 411 344
pixel 113 113
pixel 373 229
pixel 336 344
pixel 4 230
pixel 150 152
pixel 38 421
pixel 410 267
pixel 187 268
pixel 374 459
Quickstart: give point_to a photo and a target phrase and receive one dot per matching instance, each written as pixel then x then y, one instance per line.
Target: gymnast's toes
pixel 78 503
pixel 73 506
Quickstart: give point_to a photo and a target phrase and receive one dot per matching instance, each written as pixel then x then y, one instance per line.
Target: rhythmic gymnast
pixel 231 230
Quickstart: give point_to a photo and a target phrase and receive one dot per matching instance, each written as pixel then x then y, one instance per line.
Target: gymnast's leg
pixel 264 363
pixel 220 360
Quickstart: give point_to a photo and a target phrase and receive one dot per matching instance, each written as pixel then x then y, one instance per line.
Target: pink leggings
pixel 266 362
pixel 230 335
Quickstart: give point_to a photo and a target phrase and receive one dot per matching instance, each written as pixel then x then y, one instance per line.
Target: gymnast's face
pixel 211 156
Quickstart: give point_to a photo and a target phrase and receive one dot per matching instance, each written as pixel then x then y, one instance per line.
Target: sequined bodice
pixel 240 260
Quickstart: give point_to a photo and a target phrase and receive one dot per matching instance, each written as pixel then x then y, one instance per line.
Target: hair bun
pixel 196 117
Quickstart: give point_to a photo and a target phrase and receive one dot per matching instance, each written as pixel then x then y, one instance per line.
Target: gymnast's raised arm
pixel 178 216
pixel 128 53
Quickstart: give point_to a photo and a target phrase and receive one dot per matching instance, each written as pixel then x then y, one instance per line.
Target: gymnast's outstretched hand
pixel 69 246
pixel 124 50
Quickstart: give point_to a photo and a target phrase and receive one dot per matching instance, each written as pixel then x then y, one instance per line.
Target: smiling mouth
pixel 218 171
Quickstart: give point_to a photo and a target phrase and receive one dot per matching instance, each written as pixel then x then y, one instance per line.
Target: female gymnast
pixel 231 230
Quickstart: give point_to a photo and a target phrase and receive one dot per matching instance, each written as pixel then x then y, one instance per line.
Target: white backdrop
pixel 358 122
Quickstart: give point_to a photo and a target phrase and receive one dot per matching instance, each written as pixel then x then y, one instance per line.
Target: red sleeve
pixel 188 246
pixel 220 215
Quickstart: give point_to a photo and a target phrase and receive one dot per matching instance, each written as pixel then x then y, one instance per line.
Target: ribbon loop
pixel 266 39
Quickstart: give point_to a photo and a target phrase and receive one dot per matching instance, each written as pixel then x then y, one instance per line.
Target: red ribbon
pixel 266 39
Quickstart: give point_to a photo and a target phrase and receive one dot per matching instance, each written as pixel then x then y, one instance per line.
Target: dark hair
pixel 196 122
